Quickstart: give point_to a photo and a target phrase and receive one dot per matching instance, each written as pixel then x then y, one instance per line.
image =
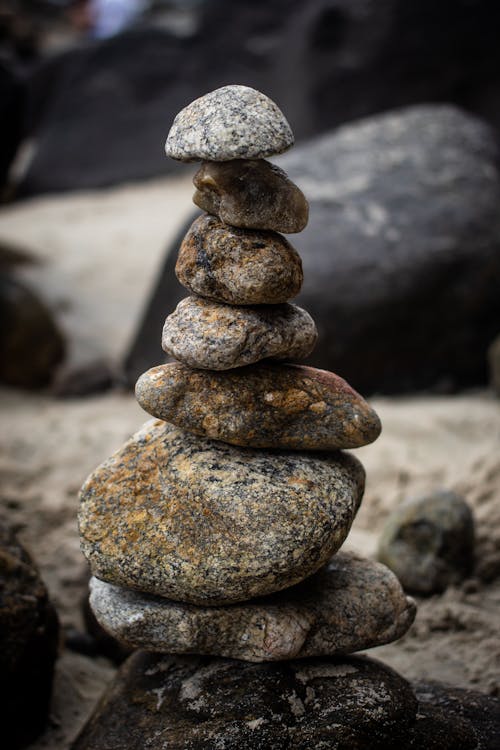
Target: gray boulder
pixel 428 542
pixel 401 255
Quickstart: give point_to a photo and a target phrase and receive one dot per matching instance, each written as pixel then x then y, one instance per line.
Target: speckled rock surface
pixel 262 406
pixel 233 122
pixel 200 521
pixel 201 703
pixel 349 605
pixel 429 542
pixel 212 336
pixel 252 195
pixel 236 266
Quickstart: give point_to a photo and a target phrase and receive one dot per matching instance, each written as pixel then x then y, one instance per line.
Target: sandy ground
pixel 98 253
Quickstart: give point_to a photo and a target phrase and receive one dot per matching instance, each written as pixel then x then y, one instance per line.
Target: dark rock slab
pixel 28 645
pixel 196 702
pixel 452 718
pixel 31 345
pixel 401 255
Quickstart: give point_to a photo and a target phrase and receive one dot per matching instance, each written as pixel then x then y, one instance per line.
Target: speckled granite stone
pixel 198 703
pixel 238 266
pixel 200 521
pixel 233 122
pixel 263 406
pixel 349 605
pixel 212 336
pixel 251 195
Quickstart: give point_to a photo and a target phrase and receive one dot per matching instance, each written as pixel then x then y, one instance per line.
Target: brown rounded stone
pixel 200 521
pixel 263 406
pixel 213 336
pixel 252 194
pixel 349 605
pixel 238 266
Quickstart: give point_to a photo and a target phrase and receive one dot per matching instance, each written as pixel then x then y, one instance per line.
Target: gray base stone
pixel 350 605
pixel 195 703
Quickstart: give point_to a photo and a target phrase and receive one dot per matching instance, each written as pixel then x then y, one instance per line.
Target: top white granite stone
pixel 233 122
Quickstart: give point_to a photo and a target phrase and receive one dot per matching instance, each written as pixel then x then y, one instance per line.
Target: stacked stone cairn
pixel 215 529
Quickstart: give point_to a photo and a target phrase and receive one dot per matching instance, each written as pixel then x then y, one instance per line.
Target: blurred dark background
pixel 96 108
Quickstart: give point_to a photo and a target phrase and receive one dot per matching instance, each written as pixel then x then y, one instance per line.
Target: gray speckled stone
pixel 233 122
pixel 261 406
pixel 200 521
pixel 251 195
pixel 238 266
pixel 212 336
pixel 199 703
pixel 429 542
pixel 349 605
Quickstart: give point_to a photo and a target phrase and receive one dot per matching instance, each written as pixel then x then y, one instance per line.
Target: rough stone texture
pixel 262 406
pixel 448 714
pixel 236 266
pixel 31 345
pixel 233 122
pixel 199 521
pixel 429 542
pixel 325 62
pixel 28 645
pixel 195 703
pixel 349 605
pixel 212 336
pixel 401 256
pixel 251 195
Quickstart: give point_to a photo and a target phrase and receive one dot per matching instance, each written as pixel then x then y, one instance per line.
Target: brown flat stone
pixel 252 194
pixel 263 406
pixel 349 605
pixel 200 521
pixel 238 266
pixel 212 336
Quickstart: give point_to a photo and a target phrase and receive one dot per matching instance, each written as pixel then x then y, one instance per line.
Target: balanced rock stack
pixel 214 530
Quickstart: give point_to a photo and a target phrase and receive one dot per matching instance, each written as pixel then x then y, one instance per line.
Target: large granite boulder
pixel 198 703
pixel 100 114
pixel 28 644
pixel 401 254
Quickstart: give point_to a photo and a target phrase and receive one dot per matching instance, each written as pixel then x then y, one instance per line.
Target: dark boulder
pixel 12 91
pixel 31 345
pixel 28 645
pixel 401 254
pixel 196 702
pixel 452 718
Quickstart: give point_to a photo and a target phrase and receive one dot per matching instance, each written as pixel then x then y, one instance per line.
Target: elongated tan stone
pixel 238 266
pixel 212 336
pixel 200 521
pixel 262 406
pixel 349 605
pixel 252 194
